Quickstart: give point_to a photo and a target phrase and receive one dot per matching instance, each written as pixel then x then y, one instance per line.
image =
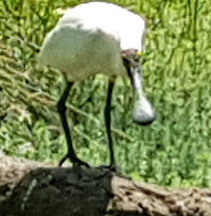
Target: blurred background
pixel 174 151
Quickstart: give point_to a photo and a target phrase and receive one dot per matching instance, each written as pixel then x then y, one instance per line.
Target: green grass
pixel 174 151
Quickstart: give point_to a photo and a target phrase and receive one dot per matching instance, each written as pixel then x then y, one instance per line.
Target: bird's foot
pixel 111 168
pixel 76 161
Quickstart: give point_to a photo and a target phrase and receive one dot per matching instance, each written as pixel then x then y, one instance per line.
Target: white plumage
pixel 89 39
pixel 93 38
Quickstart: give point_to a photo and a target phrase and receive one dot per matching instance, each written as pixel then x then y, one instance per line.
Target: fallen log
pixel 29 188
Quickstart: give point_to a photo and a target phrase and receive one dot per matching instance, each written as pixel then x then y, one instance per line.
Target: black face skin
pixel 132 60
pixel 131 57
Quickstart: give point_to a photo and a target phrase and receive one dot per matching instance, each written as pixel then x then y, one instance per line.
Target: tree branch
pixel 34 188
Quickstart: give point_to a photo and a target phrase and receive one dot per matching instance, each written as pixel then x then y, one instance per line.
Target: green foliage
pixel 174 151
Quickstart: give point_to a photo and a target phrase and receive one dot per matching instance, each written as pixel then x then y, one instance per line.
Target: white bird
pixel 92 38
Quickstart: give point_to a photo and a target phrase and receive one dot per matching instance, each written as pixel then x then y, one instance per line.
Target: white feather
pixel 89 39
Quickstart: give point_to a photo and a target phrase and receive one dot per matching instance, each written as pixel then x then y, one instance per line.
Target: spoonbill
pixel 92 38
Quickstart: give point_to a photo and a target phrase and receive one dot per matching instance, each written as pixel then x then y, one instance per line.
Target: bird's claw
pixel 111 168
pixel 76 161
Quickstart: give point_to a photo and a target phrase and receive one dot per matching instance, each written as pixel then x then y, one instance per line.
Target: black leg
pixel 62 112
pixel 107 116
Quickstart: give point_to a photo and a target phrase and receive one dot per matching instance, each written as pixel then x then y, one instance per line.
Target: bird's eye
pixel 126 61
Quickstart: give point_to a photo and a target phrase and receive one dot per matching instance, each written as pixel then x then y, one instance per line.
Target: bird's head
pixel 143 113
